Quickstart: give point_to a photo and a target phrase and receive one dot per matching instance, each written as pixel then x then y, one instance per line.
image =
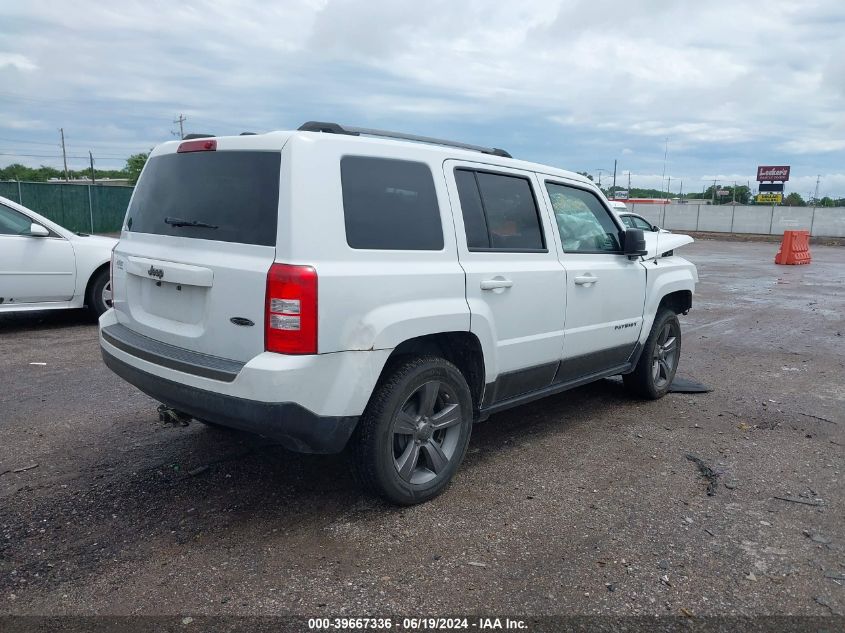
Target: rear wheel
pixel 658 362
pixel 98 298
pixel 415 431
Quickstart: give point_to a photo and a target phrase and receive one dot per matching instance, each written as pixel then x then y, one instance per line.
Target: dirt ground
pixel 583 503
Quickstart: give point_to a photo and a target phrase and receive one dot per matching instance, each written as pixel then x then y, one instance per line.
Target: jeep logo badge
pixel 155 272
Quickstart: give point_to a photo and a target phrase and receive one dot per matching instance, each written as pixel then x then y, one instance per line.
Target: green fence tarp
pixel 84 208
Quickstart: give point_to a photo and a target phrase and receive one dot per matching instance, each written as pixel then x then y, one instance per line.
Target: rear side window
pixel 235 193
pixel 499 211
pixel 390 204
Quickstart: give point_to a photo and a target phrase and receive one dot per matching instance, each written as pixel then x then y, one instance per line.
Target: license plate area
pixel 172 301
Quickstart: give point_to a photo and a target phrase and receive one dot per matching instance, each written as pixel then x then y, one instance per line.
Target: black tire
pixel 94 295
pixel 438 444
pixel 654 372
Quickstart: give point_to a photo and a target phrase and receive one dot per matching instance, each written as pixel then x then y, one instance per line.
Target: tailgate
pixel 191 266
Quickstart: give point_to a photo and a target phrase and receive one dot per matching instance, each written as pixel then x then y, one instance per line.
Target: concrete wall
pixel 821 222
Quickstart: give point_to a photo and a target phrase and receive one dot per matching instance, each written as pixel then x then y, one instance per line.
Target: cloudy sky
pixel 573 83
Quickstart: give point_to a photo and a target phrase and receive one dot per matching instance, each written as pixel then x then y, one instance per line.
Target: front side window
pixel 12 222
pixel 584 224
pixel 390 204
pixel 640 223
pixel 499 211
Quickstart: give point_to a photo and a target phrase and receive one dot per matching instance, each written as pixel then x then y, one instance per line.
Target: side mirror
pixel 633 243
pixel 36 230
pixel 655 228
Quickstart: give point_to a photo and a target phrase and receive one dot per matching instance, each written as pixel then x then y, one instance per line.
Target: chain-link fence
pixel 86 208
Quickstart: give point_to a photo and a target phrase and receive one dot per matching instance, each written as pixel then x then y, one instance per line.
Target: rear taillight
pixel 290 310
pixel 198 145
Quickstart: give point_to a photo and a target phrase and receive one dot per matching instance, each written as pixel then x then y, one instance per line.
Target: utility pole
pixel 91 159
pixel 665 154
pixel 64 153
pixel 629 183
pixel 816 195
pixel 681 192
pixel 614 174
pixel 714 192
pixel 733 193
pixel 181 120
pixel 668 186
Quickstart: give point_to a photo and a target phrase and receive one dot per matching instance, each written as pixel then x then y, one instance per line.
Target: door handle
pixel 496 283
pixel 586 280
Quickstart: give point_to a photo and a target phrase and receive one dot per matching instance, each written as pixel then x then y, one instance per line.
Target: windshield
pixel 227 196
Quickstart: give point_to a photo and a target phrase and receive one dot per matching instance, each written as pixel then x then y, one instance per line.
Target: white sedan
pixel 43 266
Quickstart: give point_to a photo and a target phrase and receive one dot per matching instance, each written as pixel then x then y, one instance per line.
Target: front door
pixel 515 283
pixel 33 269
pixel 605 291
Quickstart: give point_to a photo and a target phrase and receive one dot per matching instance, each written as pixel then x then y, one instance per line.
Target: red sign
pixel 779 173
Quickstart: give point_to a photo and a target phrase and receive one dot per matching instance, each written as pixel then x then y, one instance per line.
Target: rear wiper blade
pixel 181 222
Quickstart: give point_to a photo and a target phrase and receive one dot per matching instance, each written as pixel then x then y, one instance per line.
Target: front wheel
pixel 98 298
pixel 658 362
pixel 415 431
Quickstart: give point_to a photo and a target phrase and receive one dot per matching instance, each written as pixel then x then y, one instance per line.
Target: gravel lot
pixel 584 503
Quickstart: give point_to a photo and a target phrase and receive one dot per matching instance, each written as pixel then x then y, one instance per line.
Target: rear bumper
pixel 309 403
pixel 294 426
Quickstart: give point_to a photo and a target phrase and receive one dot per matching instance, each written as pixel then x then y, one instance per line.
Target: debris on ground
pixel 682 385
pixel 822 601
pixel 169 415
pixel 199 469
pixel 806 502
pixel 707 472
pixel 816 537
pixel 474 564
pixel 815 417
pixel 19 470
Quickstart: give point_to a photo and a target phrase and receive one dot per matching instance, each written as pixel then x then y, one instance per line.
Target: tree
pixel 826 202
pixel 134 165
pixel 794 200
pixel 742 193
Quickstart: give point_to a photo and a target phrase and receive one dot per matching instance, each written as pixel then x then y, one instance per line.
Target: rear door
pixel 515 285
pixel 33 269
pixel 605 291
pixel 199 238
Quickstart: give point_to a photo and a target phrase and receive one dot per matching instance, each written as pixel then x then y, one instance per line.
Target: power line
pixel 110 147
pixel 18 140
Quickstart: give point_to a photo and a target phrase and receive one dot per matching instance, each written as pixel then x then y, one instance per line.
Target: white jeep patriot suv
pixel 337 286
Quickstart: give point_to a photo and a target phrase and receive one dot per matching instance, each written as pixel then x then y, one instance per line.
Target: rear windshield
pixel 235 193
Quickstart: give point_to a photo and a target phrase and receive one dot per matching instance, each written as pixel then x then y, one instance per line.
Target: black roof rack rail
pixel 188 137
pixel 334 128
